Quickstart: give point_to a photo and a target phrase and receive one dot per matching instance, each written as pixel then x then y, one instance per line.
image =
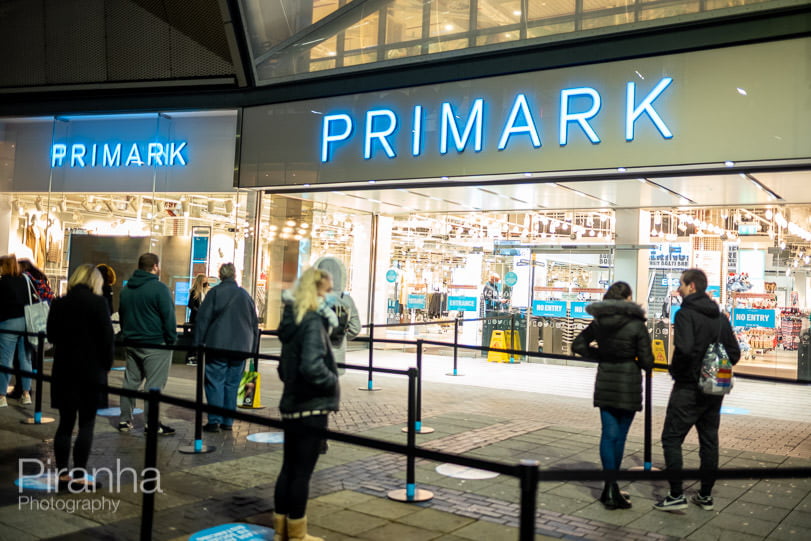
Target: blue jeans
pixel 222 383
pixel 8 343
pixel 616 423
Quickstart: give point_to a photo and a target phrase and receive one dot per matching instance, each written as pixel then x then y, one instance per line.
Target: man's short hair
pixel 695 277
pixel 227 271
pixel 148 261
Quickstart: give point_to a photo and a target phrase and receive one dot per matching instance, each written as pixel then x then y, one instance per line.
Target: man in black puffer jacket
pixel 624 351
pixel 698 324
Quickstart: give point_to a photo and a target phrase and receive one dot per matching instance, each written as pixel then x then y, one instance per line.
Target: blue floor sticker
pixel 734 411
pixel 115 412
pixel 230 532
pixel 267 437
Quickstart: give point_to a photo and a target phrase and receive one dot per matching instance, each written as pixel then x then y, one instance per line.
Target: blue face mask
pixel 331 299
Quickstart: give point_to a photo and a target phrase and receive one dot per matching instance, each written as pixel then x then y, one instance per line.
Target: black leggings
pixel 301 449
pixel 81 449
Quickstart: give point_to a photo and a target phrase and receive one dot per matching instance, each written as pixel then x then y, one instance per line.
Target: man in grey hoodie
pixel 147 316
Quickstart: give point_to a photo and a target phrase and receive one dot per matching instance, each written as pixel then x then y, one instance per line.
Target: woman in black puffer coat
pixel 624 350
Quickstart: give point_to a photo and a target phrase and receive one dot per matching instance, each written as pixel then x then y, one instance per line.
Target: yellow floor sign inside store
pixel 497 341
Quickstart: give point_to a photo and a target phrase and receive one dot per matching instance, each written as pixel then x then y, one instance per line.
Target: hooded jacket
pixel 146 310
pixel 307 367
pixel 336 268
pixel 699 324
pixel 624 349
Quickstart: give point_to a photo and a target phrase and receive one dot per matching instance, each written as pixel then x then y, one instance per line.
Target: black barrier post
pixel 529 497
pixel 455 348
pixel 151 474
pixel 370 386
pixel 198 446
pixel 411 493
pixel 648 417
pixel 38 362
pixel 418 405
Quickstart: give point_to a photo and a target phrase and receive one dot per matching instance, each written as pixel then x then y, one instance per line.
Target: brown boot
pixel 280 527
pixel 297 530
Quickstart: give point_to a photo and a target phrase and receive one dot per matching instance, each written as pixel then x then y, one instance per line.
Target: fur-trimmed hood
pixel 615 313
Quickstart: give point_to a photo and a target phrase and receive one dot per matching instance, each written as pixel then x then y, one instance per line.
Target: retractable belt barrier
pixel 528 472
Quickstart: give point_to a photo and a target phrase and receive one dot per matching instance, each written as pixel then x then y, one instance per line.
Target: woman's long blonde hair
pixel 198 291
pixel 87 275
pixel 306 291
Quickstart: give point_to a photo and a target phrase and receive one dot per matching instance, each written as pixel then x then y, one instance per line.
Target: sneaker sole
pixel 704 506
pixel 677 507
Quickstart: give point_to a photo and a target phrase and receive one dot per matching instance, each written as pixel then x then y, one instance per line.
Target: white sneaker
pixel 25 400
pixel 3 402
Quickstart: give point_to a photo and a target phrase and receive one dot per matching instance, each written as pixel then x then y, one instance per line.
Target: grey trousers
pixel 147 364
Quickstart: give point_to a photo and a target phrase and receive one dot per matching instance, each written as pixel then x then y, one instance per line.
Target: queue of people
pixel 315 324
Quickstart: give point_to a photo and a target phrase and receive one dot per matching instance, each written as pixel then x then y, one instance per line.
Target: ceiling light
pixel 741 91
pixel 729 163
pixel 290 223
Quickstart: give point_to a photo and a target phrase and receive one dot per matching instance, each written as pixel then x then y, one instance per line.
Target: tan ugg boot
pixel 280 527
pixel 297 530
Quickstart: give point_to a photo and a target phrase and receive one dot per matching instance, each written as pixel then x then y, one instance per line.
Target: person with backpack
pixel 343 305
pixel 623 351
pixel 698 325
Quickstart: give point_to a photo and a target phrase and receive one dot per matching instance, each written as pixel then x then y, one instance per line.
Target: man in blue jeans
pixel 226 321
pixel 699 323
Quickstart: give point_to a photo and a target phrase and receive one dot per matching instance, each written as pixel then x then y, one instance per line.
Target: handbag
pixel 36 314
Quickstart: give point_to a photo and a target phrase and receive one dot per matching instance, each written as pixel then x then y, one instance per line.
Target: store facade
pixel 105 188
pixel 582 176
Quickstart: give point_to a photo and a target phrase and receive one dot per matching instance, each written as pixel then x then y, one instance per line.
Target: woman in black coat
pixel 80 329
pixel 310 376
pixel 624 349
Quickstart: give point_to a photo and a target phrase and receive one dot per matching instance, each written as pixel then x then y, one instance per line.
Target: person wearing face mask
pixel 311 391
pixel 226 320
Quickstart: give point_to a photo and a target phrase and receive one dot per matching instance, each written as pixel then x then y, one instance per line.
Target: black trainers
pixel 704 502
pixel 163 430
pixel 211 427
pixel 671 503
pixel 125 426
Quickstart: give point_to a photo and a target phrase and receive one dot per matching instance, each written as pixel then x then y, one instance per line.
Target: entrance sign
pixel 699 108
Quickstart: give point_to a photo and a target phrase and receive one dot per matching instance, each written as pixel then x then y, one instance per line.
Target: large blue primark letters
pixel 464 130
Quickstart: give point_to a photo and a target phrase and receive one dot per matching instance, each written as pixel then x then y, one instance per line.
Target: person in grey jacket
pixel 624 349
pixel 341 303
pixel 147 314
pixel 226 321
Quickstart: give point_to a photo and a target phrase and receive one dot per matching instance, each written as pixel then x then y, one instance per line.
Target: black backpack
pixel 339 331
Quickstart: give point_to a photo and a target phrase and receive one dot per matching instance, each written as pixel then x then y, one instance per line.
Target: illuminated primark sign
pixel 114 155
pixel 460 130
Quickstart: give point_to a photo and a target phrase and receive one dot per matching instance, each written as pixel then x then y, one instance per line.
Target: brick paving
pixel 547 416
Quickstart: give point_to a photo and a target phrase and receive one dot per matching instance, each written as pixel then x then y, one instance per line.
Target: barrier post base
pixel 369 387
pixel 37 420
pixel 454 373
pixel 419 495
pixel 196 449
pixel 419 429
pixel 646 467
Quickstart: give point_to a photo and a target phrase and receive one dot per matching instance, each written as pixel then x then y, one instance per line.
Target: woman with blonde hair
pixel 310 376
pixel 196 295
pixel 81 331
pixel 13 299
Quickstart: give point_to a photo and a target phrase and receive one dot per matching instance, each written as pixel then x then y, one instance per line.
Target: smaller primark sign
pixel 115 154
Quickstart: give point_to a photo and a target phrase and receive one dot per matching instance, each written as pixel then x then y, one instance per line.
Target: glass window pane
pixel 363 34
pixel 362 58
pixel 402 52
pixel 614 5
pixel 550 29
pixel 325 49
pixel 451 45
pixel 449 17
pixel 670 10
pixel 322 8
pixel 601 21
pixel 404 21
pixel 548 9
pixel 501 37
pixel 492 13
